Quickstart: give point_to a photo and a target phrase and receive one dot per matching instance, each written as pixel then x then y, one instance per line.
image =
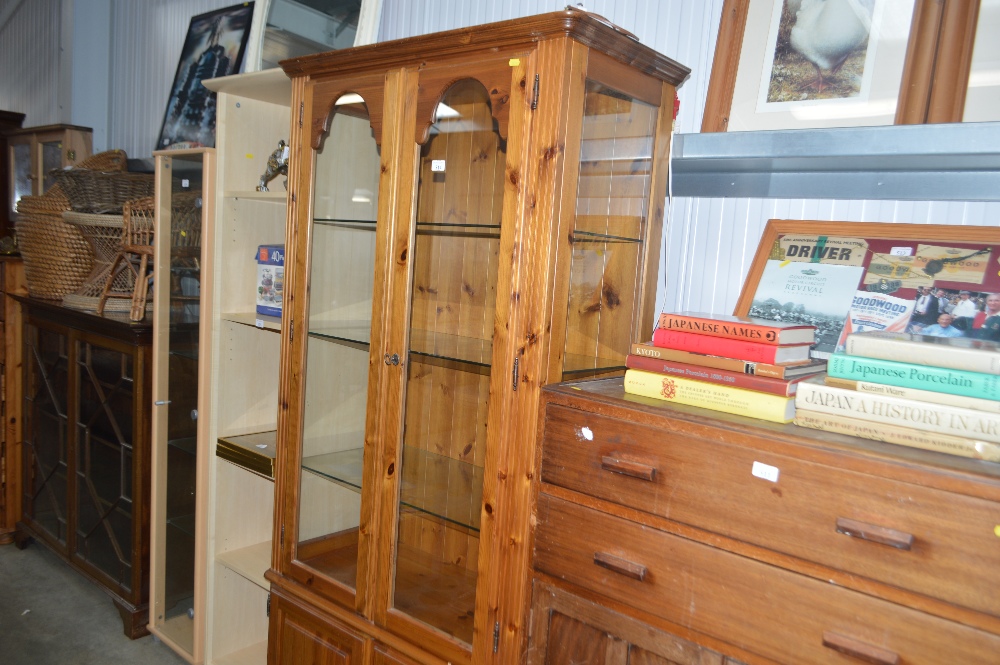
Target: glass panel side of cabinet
pixel 459 206
pixel 20 157
pixel 612 209
pixel 180 230
pixel 51 158
pixel 341 282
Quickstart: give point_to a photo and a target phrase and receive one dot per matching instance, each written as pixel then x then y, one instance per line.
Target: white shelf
pixel 271 86
pixel 249 562
pixel 251 319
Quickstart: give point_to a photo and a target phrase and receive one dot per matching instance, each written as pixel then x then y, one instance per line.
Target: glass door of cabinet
pixel 610 232
pixel 455 269
pixel 341 273
pixel 185 180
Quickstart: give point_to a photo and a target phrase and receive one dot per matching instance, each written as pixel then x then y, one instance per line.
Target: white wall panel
pixel 147 43
pixel 29 60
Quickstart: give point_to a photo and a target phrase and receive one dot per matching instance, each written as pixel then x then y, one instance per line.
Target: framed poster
pixel 214 46
pixel 846 277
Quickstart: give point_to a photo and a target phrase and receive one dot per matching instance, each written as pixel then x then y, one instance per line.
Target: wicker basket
pixel 102 192
pixel 57 257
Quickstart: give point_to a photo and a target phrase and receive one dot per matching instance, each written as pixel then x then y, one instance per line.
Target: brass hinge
pixel 302 110
pixel 534 95
pixel 515 372
pixel 281 540
pixel 269 604
pixel 496 636
pixel 291 331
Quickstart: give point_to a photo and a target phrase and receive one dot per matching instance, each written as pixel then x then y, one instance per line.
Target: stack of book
pixel 748 367
pixel 936 393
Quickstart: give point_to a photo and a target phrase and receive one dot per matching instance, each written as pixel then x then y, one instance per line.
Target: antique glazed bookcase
pixel 472 215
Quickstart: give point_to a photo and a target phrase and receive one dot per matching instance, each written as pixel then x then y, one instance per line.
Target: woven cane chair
pixel 136 251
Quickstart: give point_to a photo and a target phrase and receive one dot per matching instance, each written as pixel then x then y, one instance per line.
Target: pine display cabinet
pixel 472 215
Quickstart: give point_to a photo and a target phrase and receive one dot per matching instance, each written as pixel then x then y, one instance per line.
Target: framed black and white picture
pixel 214 46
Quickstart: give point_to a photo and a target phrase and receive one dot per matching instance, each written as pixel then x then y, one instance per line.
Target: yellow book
pixel 737 401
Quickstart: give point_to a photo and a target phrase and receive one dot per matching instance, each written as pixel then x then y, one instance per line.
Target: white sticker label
pixel 185 183
pixel 586 433
pixel 262 446
pixel 901 251
pixel 765 471
pixel 259 323
pixel 437 165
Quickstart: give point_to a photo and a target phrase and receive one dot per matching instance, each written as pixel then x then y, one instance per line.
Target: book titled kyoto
pixel 815 395
pixel 784 371
pixel 710 396
pixel 730 348
pixel 739 327
pixel 971 355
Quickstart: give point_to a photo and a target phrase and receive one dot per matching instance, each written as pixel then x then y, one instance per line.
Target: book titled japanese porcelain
pixel 730 348
pixel 965 353
pixel 710 396
pixel 815 395
pixel 739 327
pixel 910 375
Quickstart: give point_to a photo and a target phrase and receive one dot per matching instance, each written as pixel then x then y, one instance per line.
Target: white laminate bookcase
pixel 242 373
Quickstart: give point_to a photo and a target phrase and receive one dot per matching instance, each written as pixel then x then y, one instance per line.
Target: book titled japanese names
pixel 739 327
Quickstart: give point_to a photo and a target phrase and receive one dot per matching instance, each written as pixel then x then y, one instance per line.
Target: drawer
pixel 780 615
pixel 929 541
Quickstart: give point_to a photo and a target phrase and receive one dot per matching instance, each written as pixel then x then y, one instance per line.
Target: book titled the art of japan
pixel 815 395
pixel 730 348
pixel 782 387
pixel 899 435
pixel 964 353
pixel 910 375
pixel 784 371
pixel 739 327
pixel 736 401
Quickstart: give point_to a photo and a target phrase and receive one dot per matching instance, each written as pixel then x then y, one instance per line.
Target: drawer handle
pixel 856 649
pixel 621 566
pixel 627 468
pixel 874 533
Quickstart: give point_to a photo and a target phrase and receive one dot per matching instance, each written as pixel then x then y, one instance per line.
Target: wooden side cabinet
pixel 763 570
pixel 472 215
pixel 12 284
pixel 32 152
pixel 85 458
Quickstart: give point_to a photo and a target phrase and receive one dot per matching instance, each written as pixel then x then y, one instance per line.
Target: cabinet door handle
pixel 616 564
pixel 628 468
pixel 857 649
pixel 876 534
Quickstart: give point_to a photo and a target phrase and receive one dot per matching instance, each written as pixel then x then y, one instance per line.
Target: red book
pixel 762 384
pixel 730 348
pixel 739 327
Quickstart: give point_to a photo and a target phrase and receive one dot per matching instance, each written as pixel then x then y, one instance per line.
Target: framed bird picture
pixel 803 64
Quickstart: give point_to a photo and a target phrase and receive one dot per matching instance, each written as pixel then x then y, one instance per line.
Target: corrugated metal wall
pixel 29 60
pixel 709 241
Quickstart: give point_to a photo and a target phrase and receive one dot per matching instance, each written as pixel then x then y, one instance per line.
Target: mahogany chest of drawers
pixel 729 538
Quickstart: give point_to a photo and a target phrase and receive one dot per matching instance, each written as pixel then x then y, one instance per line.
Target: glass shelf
pixel 588 236
pixel 491 231
pixel 353 332
pixel 255 320
pixel 428 485
pixel 580 364
pixel 466 350
pixel 183 523
pixel 187 444
pixel 365 224
pixel 271 197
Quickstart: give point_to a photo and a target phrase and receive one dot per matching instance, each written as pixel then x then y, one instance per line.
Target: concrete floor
pixel 49 614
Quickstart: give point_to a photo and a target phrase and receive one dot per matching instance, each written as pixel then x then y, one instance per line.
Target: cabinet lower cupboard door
pixel 568 629
pixel 300 638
